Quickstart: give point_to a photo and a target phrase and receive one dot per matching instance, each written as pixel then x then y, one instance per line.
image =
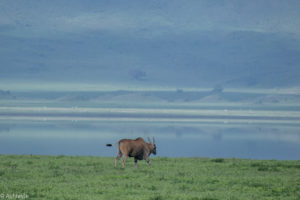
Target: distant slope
pixel 237 59
pixel 155 98
pixel 198 44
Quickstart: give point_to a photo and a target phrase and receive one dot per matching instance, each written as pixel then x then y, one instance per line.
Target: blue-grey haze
pixel 169 55
pixel 151 43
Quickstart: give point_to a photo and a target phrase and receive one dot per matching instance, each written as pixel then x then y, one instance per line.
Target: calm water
pixel 255 141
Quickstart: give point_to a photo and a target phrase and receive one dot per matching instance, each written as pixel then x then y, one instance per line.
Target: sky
pixel 150 43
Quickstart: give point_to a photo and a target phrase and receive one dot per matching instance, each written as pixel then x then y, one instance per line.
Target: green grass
pixel 66 177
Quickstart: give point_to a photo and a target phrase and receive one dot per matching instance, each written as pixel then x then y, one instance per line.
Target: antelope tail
pixel 109 145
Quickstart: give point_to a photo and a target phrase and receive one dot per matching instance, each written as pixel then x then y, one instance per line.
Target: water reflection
pixel 256 141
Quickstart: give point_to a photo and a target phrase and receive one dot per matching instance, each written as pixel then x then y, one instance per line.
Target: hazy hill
pixel 198 44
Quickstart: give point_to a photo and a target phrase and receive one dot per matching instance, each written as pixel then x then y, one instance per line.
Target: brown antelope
pixel 138 148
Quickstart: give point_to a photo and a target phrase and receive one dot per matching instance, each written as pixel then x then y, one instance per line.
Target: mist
pixel 199 44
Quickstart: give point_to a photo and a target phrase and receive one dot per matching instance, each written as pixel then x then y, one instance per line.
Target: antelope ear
pixel 153 140
pixel 149 140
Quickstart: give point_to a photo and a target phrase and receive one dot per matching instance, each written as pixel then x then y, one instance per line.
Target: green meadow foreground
pixel 67 177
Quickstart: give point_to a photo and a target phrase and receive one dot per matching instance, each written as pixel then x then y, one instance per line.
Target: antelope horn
pixel 153 140
pixel 149 140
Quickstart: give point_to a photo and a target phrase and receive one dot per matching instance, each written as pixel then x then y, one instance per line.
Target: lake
pixel 173 139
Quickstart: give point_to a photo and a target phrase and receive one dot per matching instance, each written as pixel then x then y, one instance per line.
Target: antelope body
pixel 138 148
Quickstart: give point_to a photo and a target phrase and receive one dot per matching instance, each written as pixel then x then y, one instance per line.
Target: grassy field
pixel 66 177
